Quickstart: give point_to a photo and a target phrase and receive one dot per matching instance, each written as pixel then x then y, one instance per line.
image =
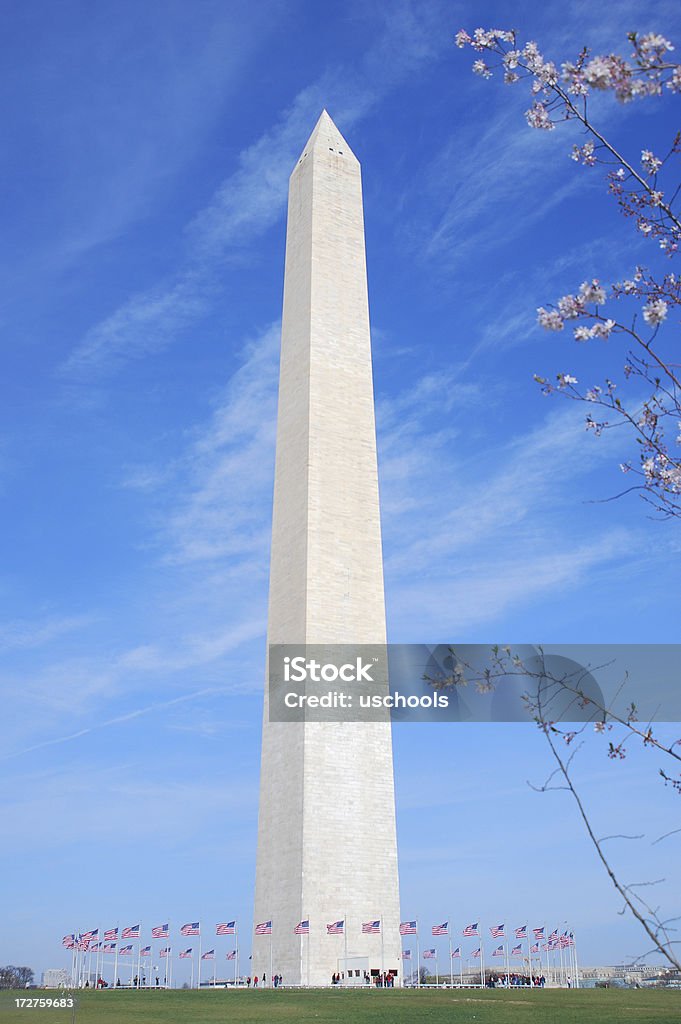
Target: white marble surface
pixel 327 847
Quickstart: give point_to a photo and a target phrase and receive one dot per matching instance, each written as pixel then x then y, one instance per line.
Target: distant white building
pixel 56 977
pixel 623 972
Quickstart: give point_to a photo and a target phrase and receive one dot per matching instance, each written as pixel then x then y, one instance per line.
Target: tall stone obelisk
pixel 327 848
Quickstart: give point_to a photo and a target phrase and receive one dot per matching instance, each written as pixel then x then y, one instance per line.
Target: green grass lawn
pixel 600 1006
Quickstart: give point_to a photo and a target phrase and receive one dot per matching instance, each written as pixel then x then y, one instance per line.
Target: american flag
pixel 534 948
pixel 210 955
pixel 146 951
pixel 440 929
pixel 83 945
pixel 111 934
pixel 160 931
pixel 521 933
pixel 499 951
pixel 231 955
pixel 456 952
pixel 302 928
pixel 517 950
pixel 538 933
pixel 125 951
pixel 476 953
pixel 131 933
pixel 186 953
pixel 264 929
pixel 94 947
pixel 408 928
pixel 371 928
pixel 109 947
pixel 227 928
pixel 336 928
pixel 553 935
pixel 190 929
pixel 497 931
pixel 406 954
pixel 470 930
pixel 69 941
pixel 165 952
pixel 429 954
pixel 90 935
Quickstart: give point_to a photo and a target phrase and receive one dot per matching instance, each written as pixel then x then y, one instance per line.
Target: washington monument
pixel 327 849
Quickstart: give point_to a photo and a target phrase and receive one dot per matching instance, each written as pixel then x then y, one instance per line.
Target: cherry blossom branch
pixel 504 664
pixel 563 95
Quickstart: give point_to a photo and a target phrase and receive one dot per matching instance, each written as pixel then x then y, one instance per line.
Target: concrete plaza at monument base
pixel 397 1006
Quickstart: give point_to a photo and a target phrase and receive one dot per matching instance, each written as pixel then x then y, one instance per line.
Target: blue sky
pixel 147 154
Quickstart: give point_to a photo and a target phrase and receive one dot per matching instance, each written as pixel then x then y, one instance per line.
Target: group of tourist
pixel 521 980
pixel 277 981
pixel 384 980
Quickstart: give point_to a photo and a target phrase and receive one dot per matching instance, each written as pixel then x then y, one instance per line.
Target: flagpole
pixel 577 982
pixel 345 947
pixel 482 959
pixel 418 957
pixel 460 967
pixel 382 956
pixel 451 965
pixel 529 952
pixel 236 958
pixel 544 942
pixel 308 950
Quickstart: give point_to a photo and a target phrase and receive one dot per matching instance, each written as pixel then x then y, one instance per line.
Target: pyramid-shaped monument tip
pixel 326 136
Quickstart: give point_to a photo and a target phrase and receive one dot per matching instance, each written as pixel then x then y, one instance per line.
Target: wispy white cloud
pixel 252 198
pixel 107 723
pixel 69 803
pixel 500 166
pixel 132 105
pixel 27 634
pixel 211 507
pixel 466 537
pixel 220 503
